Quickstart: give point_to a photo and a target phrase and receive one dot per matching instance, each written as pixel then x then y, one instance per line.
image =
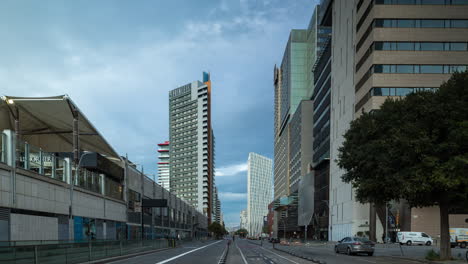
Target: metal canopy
pixel 47 122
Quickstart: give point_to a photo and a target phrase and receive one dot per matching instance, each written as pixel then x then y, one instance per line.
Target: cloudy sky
pixel 118 60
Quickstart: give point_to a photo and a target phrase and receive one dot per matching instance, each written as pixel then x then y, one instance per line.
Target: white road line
pixel 361 259
pixel 242 255
pixel 280 256
pixel 186 253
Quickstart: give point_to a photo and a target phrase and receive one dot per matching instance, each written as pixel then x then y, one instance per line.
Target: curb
pixel 292 253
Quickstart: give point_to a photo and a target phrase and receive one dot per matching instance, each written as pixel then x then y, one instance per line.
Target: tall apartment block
pixel 259 187
pixel 191 147
pixel 381 49
pixel 163 165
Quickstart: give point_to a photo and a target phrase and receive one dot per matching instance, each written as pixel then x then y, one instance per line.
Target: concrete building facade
pixel 192 144
pixel 381 49
pixel 259 191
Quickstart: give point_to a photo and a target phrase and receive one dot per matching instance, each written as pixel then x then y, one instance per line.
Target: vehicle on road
pixel 355 245
pixel 459 237
pixel 417 238
pixel 274 240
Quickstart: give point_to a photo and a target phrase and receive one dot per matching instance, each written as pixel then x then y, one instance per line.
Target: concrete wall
pixel 33 227
pixel 347 215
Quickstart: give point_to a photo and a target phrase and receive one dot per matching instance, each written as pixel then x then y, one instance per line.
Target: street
pixel 244 251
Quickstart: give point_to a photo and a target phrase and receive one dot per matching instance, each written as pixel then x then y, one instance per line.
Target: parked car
pixel 459 237
pixel 410 238
pixel 355 245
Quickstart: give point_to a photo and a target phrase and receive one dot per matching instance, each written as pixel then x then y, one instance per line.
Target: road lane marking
pixel 186 253
pixel 242 254
pixel 280 256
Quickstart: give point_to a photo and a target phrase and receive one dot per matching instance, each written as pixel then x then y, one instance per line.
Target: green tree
pixel 217 229
pixel 413 149
pixel 242 232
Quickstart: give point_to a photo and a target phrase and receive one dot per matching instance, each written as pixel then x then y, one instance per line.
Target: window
pixel 432 69
pixel 405 45
pixel 427 46
pixel 432 23
pixel 404 69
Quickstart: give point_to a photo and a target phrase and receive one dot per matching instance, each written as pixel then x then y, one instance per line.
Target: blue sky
pixel 118 60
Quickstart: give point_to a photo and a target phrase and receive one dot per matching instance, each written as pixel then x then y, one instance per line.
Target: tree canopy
pixel 217 229
pixel 242 232
pixel 414 149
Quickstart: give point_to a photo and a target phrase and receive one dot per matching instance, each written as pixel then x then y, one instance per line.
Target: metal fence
pixel 78 252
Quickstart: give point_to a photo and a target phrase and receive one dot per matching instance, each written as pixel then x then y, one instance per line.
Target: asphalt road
pixel 208 252
pixel 245 252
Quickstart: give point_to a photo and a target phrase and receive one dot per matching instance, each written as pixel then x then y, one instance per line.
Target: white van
pixel 410 238
pixel 459 237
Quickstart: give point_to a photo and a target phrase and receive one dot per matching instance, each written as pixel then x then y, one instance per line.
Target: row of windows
pixel 411 23
pixel 389 91
pixel 412 46
pixel 411 69
pixel 403 68
pixel 421 23
pixel 421 2
pixel 421 46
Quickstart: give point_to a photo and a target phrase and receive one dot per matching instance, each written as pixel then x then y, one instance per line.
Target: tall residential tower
pixel 192 151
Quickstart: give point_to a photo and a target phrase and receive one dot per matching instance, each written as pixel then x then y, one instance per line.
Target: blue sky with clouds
pixel 118 60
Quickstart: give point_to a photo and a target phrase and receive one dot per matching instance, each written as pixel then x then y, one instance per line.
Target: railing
pixel 44 163
pixel 64 252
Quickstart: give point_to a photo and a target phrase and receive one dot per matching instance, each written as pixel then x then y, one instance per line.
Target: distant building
pixel 163 165
pixel 243 219
pixel 259 191
pixel 192 144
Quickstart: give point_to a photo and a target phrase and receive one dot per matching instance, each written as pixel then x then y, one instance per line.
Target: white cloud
pixel 230 196
pixel 231 170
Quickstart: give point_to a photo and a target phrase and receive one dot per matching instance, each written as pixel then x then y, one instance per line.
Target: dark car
pixel 355 245
pixel 274 240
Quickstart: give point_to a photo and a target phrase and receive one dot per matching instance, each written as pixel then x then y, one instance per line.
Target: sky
pixel 118 60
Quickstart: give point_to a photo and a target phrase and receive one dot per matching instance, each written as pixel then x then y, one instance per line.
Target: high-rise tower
pixel 259 191
pixel 191 137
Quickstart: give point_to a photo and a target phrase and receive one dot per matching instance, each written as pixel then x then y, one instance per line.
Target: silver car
pixel 355 245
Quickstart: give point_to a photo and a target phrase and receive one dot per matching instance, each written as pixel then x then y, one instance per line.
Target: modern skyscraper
pixel 163 165
pixel 386 49
pixel 192 150
pixel 259 188
pixel 294 89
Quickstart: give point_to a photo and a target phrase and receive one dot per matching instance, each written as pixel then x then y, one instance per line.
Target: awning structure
pixel 47 122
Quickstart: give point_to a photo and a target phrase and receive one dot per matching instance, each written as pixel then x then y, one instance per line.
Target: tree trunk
pixel 445 249
pixel 372 223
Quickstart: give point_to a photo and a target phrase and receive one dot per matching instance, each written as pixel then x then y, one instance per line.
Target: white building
pixel 243 219
pixel 259 191
pixel 163 165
